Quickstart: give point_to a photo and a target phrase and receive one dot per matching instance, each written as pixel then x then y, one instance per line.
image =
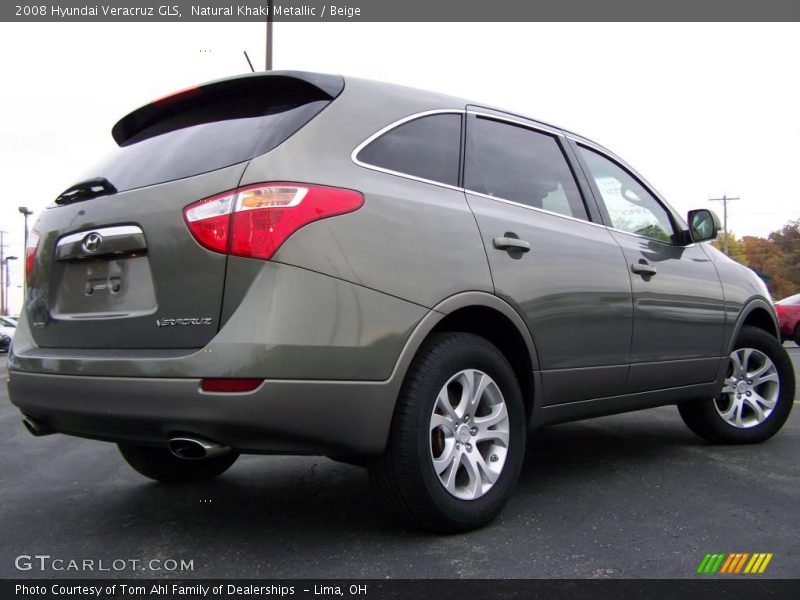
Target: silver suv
pixel 307 264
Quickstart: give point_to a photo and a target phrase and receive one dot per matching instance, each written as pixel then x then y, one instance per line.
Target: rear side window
pixel 522 165
pixel 428 147
pixel 208 131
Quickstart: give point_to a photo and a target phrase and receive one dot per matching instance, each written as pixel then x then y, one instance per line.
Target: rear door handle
pixel 644 269
pixel 510 243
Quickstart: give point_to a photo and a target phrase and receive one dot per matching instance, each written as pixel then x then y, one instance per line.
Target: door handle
pixel 643 269
pixel 511 243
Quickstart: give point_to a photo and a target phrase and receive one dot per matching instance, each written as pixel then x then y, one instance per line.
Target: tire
pixel 797 334
pixel 405 476
pixel 774 396
pixel 160 464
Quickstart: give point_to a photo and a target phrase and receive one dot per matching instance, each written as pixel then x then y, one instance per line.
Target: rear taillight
pixel 31 248
pixel 253 221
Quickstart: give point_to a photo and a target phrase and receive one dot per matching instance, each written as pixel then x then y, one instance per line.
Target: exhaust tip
pixel 192 448
pixel 37 428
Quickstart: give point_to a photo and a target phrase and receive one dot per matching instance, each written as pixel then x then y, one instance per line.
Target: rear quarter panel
pixel 413 240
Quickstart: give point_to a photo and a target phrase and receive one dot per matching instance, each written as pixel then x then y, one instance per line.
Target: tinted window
pixel 428 147
pixel 630 206
pixel 515 163
pixel 204 138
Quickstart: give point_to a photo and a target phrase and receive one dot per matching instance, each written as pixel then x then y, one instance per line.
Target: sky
pixel 700 110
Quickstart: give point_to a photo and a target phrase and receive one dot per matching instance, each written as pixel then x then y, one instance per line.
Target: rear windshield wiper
pixel 86 190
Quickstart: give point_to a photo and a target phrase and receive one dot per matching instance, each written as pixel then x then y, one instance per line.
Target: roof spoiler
pixel 288 82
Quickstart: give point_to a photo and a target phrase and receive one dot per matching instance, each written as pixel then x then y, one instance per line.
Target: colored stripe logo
pixel 743 563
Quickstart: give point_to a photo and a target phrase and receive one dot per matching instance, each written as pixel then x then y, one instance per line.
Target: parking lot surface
pixel 634 495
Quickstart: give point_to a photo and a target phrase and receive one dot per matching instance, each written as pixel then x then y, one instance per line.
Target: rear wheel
pixel 756 397
pixel 160 464
pixel 458 437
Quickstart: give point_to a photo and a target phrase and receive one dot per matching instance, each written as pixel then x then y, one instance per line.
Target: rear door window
pixel 513 162
pixel 428 148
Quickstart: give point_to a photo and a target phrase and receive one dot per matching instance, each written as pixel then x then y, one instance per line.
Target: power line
pixel 724 201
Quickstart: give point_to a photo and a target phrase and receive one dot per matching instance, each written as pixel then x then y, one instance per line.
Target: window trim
pixel 563 137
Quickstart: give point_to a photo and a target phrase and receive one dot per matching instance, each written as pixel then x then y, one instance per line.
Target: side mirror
pixel 704 225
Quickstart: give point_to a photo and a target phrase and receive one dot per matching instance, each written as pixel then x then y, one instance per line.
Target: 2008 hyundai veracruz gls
pixel 302 263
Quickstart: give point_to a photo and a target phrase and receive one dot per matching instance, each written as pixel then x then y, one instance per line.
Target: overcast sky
pixel 700 110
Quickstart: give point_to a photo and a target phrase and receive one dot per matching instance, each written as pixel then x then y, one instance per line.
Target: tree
pixel 775 258
pixel 788 240
pixel 735 248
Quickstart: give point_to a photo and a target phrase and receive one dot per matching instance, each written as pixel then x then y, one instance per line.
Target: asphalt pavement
pixel 634 495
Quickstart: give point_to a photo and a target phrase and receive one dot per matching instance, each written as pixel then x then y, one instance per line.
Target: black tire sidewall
pixel 472 352
pixel 758 339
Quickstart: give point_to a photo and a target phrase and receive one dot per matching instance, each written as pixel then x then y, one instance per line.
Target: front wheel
pixel 160 464
pixel 457 440
pixel 756 397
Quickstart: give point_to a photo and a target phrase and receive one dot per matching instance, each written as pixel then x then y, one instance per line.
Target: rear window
pixel 428 148
pixel 208 131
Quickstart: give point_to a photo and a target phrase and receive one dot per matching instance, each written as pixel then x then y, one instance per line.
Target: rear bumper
pixel 281 416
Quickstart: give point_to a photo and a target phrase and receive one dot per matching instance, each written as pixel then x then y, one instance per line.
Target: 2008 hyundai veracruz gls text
pixel 300 263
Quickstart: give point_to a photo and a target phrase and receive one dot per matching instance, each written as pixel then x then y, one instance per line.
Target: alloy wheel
pixel 751 389
pixel 469 433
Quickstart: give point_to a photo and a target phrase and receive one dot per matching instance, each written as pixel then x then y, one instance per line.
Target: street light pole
pixel 26 212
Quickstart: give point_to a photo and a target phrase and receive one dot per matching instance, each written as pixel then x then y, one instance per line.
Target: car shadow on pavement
pixel 266 495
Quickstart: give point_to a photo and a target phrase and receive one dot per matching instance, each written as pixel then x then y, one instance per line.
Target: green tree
pixel 735 248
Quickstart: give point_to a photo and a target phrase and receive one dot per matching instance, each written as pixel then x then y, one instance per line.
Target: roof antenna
pixel 252 70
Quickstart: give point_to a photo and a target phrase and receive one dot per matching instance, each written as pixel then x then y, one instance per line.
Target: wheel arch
pixel 757 312
pixel 490 317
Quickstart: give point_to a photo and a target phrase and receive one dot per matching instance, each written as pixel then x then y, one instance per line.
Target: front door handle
pixel 511 243
pixel 644 269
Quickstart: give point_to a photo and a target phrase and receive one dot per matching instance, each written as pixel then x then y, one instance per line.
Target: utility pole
pixel 8 280
pixel 725 199
pixel 2 275
pixel 270 6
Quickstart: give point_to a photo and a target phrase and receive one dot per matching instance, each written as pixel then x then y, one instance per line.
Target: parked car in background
pixel 5 342
pixel 8 326
pixel 295 263
pixel 788 311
